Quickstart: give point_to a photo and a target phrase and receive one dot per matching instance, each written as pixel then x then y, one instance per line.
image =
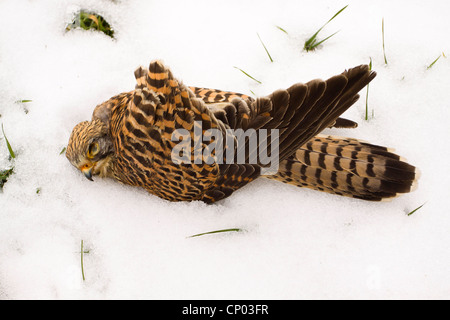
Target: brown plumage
pixel 130 139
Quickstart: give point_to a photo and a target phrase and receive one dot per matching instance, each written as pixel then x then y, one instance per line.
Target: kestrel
pixel 131 139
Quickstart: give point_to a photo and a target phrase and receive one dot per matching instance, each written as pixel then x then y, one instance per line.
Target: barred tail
pixel 348 167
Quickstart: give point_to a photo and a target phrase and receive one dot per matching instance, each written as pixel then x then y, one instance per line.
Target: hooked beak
pixel 87 171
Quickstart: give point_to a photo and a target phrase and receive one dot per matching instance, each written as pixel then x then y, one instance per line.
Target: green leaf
pixel 89 20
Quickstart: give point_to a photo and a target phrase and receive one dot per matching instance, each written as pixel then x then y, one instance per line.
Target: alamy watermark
pixel 228 149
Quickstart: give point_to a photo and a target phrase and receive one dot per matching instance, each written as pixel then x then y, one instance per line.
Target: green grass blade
pixel 367 94
pixel 337 13
pixel 429 67
pixel 267 51
pixel 280 28
pixel 382 33
pixel 82 266
pixel 318 43
pixel 11 152
pixel 216 231
pixel 416 209
pixel 248 75
pixel 62 151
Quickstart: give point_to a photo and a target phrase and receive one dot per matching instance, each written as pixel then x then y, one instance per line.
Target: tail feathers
pixel 348 167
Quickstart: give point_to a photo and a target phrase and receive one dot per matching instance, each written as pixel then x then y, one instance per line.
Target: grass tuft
pixel 90 20
pixel 312 43
pixel 267 51
pixel 4 175
pixel 248 75
pixel 216 231
pixel 11 152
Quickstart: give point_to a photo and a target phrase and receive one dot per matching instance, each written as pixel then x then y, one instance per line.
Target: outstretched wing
pixel 298 113
pixel 217 99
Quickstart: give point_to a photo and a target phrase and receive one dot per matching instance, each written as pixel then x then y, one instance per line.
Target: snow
pixel 297 243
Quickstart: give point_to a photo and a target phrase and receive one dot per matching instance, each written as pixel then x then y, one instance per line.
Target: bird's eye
pixel 93 150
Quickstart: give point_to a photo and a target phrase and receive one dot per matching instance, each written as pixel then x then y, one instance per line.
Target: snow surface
pixel 297 243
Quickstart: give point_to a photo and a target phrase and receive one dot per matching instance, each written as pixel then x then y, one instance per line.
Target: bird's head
pixel 90 148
